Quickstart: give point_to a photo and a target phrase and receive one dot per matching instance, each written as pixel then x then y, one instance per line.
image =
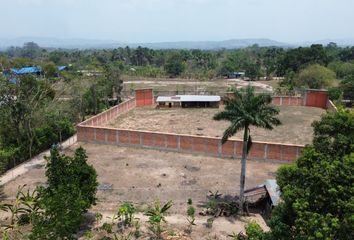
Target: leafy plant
pixel 137 226
pixel 23 208
pixel 215 195
pixel 190 215
pixel 126 213
pixel 108 227
pixel 253 232
pixel 123 237
pixel 210 222
pixel 156 216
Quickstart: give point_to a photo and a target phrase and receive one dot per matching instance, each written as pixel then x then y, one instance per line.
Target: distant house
pixel 188 101
pixel 236 75
pixel 26 70
pixel 13 73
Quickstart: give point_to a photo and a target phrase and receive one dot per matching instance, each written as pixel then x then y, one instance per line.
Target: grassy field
pixel 295 129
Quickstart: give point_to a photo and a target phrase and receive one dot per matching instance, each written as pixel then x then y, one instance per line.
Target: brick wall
pixel 144 97
pixel 108 115
pixel 92 131
pixel 287 101
pixel 187 143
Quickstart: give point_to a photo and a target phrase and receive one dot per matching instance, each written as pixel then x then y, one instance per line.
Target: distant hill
pixel 209 45
pixel 227 44
pixel 59 43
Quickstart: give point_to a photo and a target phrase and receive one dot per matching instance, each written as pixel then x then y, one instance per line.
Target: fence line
pixel 92 131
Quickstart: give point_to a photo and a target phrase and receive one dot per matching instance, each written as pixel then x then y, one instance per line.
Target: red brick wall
pixel 144 97
pixel 108 115
pixel 186 143
pixel 287 101
pixel 90 131
pixel 316 98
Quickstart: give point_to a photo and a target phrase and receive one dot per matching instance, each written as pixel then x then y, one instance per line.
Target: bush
pixel 71 191
pixel 315 76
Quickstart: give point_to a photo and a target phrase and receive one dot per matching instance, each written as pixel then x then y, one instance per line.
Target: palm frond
pixel 245 108
pixel 234 127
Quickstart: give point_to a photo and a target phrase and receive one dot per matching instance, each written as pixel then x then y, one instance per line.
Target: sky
pixel 178 20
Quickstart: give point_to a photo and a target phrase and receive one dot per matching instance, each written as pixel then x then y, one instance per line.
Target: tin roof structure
pixel 188 98
pixel 26 70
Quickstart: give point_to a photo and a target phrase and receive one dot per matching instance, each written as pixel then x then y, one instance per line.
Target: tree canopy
pixel 318 190
pixel 316 77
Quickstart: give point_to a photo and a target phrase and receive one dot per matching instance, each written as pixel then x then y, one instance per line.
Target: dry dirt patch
pixel 295 129
pixel 142 175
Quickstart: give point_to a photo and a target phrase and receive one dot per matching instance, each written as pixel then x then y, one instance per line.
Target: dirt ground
pixel 295 129
pixel 215 86
pixel 141 176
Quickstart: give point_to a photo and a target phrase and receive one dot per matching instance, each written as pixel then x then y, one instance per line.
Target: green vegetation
pixel 190 215
pixel 315 77
pixel 243 110
pixel 55 211
pixel 156 216
pixel 70 193
pixel 317 190
pixel 31 120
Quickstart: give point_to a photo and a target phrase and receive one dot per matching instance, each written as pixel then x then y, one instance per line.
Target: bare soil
pixel 141 176
pixel 295 129
pixel 189 86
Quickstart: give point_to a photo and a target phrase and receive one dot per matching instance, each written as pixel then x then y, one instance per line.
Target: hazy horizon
pixel 137 21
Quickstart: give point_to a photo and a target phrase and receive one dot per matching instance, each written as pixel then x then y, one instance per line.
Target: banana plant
pixel 156 216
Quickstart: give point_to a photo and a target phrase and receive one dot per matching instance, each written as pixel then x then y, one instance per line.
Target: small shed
pixel 267 195
pixel 236 75
pixel 188 101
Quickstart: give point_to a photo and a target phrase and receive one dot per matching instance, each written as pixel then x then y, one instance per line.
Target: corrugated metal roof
pixel 61 68
pixel 188 98
pixel 273 190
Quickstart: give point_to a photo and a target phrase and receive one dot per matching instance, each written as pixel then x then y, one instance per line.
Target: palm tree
pixel 245 109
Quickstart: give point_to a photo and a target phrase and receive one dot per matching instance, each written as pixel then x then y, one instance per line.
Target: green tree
pixel 175 65
pixel 21 104
pixel 243 110
pixel 50 70
pixel 71 191
pixel 315 76
pixel 347 86
pixel 318 189
pixel 295 59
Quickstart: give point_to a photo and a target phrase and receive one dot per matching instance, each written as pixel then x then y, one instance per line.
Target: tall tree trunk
pixel 243 169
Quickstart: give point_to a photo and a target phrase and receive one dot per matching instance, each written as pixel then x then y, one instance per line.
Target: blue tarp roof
pixel 26 70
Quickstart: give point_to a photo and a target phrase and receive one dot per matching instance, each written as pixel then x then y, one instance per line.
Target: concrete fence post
pixel 117 137
pixel 265 151
pixel 219 148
